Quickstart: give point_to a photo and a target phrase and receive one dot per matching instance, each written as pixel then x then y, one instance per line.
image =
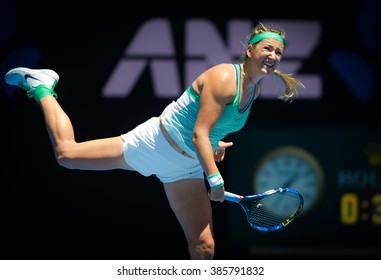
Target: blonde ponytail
pixel 291 85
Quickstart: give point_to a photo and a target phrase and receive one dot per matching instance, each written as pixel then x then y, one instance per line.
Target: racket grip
pixel 233 197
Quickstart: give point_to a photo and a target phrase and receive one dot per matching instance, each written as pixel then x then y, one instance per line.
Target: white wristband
pixel 215 180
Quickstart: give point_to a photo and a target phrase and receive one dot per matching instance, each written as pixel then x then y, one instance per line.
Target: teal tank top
pixel 179 117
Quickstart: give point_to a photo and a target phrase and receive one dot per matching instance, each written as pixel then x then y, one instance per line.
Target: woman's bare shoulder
pixel 220 72
pixel 219 78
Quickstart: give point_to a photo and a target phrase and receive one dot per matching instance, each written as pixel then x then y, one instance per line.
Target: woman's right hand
pixel 217 194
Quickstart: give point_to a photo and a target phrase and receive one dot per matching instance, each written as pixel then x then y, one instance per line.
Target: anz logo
pixel 153 48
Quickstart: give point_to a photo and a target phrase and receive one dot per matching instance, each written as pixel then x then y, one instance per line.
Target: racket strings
pixel 274 209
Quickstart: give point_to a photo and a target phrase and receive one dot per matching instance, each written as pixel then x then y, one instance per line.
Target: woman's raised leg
pixel 100 154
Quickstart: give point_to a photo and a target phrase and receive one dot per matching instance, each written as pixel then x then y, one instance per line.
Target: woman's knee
pixel 202 249
pixel 64 157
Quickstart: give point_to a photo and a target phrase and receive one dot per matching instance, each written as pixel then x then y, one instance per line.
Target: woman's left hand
pixel 219 153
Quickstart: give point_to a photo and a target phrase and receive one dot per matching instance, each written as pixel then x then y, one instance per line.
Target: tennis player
pixel 183 144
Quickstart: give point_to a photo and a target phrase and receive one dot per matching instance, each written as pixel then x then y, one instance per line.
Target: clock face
pixel 290 167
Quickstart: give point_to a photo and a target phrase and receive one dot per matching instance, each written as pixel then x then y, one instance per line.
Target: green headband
pixel 265 35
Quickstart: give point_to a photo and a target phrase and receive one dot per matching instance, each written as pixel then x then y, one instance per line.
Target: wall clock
pixel 293 167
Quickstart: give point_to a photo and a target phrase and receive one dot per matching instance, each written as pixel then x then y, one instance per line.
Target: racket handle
pixel 233 197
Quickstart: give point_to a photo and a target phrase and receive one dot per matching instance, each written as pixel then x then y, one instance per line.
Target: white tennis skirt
pixel 147 151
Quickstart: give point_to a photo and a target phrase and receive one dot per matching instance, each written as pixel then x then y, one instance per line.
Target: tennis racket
pixel 271 210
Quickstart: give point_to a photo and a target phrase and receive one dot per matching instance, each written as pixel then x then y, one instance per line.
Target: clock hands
pixel 288 183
